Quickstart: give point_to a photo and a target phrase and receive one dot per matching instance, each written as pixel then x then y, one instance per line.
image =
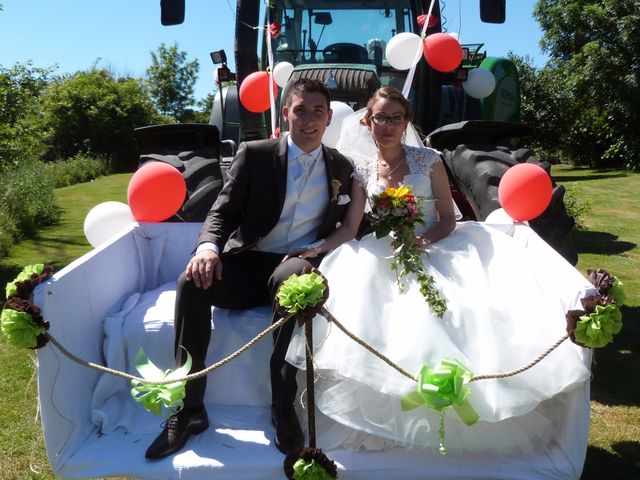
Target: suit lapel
pixel 331 209
pixel 280 165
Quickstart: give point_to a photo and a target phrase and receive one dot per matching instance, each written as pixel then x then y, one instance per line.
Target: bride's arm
pixel 444 204
pixel 347 231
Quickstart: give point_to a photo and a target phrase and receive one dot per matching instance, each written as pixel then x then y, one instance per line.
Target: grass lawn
pixel 611 242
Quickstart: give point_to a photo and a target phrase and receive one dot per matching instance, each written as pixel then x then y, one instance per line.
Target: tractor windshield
pixel 332 31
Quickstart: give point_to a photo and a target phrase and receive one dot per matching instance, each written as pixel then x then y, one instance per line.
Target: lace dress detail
pixel 420 161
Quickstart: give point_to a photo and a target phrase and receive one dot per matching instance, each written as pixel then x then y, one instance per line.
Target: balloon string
pixel 272 100
pixel 416 57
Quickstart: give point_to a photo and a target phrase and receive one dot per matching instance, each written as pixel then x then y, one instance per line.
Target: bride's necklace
pixel 392 170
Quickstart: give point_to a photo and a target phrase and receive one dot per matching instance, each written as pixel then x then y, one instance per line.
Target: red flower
pixel 385 202
pixel 274 29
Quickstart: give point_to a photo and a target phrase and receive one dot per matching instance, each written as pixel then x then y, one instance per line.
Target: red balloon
pixel 156 191
pixel 254 91
pixel 525 191
pixel 442 51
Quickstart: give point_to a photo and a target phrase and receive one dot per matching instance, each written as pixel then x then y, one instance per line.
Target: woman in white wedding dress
pixel 506 304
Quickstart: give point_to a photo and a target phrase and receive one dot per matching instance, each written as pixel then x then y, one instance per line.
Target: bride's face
pixel 387 122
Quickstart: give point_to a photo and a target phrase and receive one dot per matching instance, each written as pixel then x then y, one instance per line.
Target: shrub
pixel 20 87
pixel 93 113
pixel 8 232
pixel 577 206
pixel 27 198
pixel 78 169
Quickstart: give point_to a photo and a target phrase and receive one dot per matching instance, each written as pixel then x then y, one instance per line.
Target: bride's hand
pixel 303 253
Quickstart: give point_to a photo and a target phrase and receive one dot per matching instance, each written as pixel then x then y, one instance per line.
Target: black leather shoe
pixel 289 436
pixel 177 430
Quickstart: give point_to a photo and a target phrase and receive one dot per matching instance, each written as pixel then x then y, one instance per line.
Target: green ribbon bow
pixel 598 328
pixel 154 397
pixel 20 329
pixel 26 274
pixel 443 386
pixel 616 291
pixel 303 470
pixel 299 292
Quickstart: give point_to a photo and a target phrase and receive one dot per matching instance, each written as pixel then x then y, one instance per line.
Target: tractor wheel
pixel 476 172
pixel 202 175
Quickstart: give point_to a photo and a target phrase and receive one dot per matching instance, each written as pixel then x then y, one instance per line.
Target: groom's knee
pixel 287 268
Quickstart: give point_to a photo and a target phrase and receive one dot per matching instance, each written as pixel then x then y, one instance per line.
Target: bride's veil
pixel 356 142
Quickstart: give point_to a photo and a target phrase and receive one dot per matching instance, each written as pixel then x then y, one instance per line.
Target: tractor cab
pixel 343 44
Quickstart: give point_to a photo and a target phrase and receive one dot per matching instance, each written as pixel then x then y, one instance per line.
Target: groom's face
pixel 308 116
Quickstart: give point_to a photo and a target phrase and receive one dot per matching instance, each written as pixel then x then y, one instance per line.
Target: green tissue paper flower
pixel 299 292
pixel 617 291
pixel 20 329
pixel 303 470
pixel 25 274
pixel 597 329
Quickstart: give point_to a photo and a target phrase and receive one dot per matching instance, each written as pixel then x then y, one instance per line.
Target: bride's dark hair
pixel 390 93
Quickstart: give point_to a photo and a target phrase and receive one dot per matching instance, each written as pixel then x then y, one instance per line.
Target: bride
pixel 506 304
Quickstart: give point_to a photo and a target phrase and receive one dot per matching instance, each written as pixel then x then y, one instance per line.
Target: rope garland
pixel 189 377
pixel 330 318
pixel 532 363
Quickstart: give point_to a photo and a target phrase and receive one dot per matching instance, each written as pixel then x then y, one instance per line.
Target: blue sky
pixel 120 34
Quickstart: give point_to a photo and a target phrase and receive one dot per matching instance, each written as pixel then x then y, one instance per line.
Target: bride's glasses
pixel 384 119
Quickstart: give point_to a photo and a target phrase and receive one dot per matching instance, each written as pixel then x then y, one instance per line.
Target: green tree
pixel 20 87
pixel 93 113
pixel 543 106
pixel 202 112
pixel 170 80
pixel 594 47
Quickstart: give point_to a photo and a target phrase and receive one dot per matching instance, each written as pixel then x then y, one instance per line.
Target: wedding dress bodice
pixel 420 161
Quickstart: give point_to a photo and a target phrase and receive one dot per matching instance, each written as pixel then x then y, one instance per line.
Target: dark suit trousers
pixel 249 279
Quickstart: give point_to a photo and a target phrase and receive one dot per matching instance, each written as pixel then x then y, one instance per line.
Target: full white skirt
pixel 507 298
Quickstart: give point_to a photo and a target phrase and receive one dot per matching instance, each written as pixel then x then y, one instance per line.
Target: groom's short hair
pixel 310 86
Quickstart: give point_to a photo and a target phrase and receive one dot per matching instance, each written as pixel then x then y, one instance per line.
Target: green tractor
pixel 342 44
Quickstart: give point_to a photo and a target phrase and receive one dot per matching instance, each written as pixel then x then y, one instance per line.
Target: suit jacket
pixel 251 201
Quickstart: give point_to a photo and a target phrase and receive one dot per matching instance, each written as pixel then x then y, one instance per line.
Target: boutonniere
pixel 335 186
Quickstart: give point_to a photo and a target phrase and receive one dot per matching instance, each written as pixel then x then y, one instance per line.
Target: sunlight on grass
pixel 611 242
pixel 21 441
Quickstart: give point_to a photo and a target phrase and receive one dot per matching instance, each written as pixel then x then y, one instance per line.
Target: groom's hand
pixel 202 268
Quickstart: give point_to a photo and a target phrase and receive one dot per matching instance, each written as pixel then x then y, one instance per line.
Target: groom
pixel 280 198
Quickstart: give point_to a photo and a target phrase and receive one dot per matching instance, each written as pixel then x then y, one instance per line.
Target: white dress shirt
pixel 306 201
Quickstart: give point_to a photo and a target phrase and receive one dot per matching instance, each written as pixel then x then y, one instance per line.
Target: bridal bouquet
pixel 397 210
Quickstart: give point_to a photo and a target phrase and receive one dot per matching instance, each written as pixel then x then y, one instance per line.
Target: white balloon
pixel 480 83
pixel 332 133
pixel 455 35
pixel 404 50
pixel 105 220
pixel 281 73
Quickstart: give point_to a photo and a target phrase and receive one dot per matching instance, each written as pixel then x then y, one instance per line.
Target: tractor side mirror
pixel 323 18
pixel 171 12
pixel 492 11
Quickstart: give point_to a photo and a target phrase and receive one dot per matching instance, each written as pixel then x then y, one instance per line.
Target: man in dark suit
pixel 284 205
